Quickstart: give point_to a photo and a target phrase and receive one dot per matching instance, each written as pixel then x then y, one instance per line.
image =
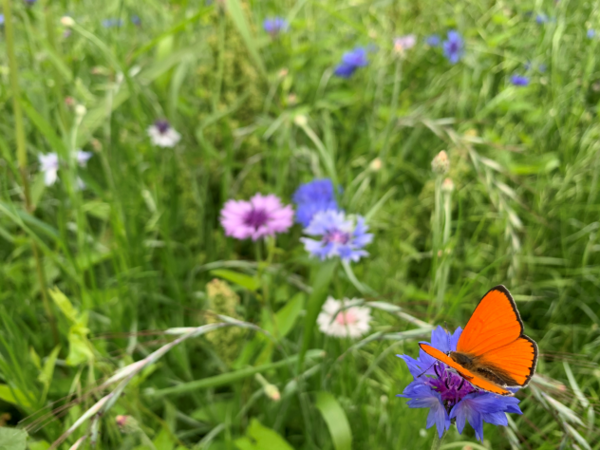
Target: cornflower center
pixel 336 237
pixel 256 218
pixel 346 318
pixel 162 126
pixel 451 387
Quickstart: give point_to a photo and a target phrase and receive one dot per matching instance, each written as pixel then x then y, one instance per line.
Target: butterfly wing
pixel 494 339
pixel 466 374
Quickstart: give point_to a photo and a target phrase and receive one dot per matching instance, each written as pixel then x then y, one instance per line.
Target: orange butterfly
pixel 492 352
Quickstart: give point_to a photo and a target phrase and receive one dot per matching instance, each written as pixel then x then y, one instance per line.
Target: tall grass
pixel 134 251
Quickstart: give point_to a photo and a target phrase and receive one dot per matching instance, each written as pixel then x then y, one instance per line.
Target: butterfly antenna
pixel 434 365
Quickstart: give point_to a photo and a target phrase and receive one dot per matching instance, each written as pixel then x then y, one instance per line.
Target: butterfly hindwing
pixel 516 361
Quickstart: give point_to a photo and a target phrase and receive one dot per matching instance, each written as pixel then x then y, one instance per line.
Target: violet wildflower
pixel 434 40
pixel 30 2
pixel 519 80
pixel 49 165
pixel 1 20
pixel 351 61
pixel 263 215
pixel 163 135
pixel 453 46
pixel 591 33
pixel 448 395
pixel 83 157
pixel 541 19
pixel 312 197
pixel 339 236
pixel 403 43
pixel 135 19
pixel 275 25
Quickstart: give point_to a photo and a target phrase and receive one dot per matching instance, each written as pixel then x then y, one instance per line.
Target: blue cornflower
pixel 591 33
pixel 453 46
pixel 351 61
pixel 109 23
pixel 448 395
pixel 434 40
pixel 275 25
pixel 541 19
pixel 312 197
pixel 339 236
pixel 519 80
pixel 1 20
pixel 135 19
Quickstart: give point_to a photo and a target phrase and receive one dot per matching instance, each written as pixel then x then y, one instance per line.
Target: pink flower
pixel 263 215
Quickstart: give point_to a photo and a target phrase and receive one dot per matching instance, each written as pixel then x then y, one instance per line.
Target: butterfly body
pixel 492 352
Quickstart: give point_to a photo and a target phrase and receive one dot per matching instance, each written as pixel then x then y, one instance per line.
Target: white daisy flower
pixel 352 321
pixel 83 157
pixel 49 165
pixel 163 135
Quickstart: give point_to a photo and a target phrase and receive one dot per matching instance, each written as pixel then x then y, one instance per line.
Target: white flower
pixel 352 321
pixel 83 157
pixel 49 165
pixel 163 135
pixel 80 184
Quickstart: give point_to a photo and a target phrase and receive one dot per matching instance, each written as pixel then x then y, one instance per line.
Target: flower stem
pixel 437 441
pixel 22 153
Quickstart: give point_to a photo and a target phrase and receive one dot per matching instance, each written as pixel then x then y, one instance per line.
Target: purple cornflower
pixel 519 80
pixel 312 197
pixel 275 25
pixel 1 20
pixel 448 395
pixel 453 46
pixel 30 2
pixel 351 61
pixel 434 40
pixel 263 215
pixel 339 236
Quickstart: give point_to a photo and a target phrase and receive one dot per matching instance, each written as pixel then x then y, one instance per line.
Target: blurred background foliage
pixel 137 249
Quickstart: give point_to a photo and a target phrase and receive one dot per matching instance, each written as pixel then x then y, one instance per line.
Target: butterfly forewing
pixel 465 373
pixel 494 324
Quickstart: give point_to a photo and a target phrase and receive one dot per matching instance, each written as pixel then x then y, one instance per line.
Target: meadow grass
pixel 89 275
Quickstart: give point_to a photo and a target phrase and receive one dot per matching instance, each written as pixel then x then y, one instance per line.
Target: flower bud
pixel 447 186
pixel 127 424
pixel 300 120
pixel 80 110
pixel 441 164
pixel 272 392
pixel 375 165
pixel 67 21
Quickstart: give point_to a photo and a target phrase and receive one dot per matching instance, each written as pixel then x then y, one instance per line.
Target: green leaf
pixel 320 284
pixel 241 279
pixel 45 376
pixel 12 439
pixel 14 396
pixel 164 440
pixel 55 142
pixel 235 10
pixel 285 318
pixel 259 437
pixel 80 349
pixel 64 304
pixel 336 420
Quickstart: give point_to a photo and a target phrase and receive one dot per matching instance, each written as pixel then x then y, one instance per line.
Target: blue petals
pixel 312 197
pixel 453 46
pixel 351 61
